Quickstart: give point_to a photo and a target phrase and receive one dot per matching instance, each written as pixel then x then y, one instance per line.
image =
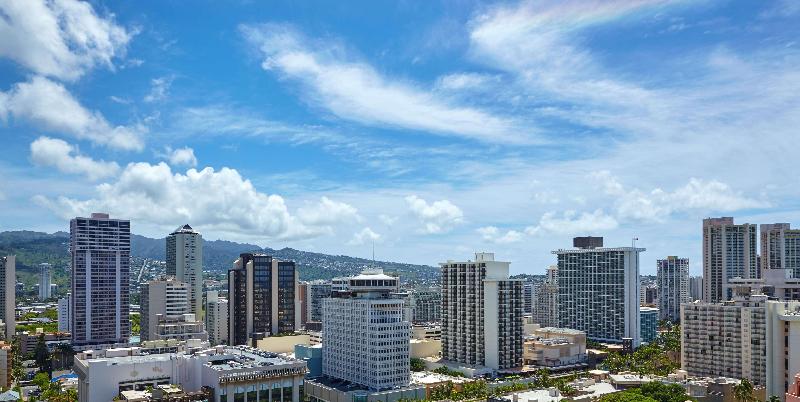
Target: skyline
pixel 435 130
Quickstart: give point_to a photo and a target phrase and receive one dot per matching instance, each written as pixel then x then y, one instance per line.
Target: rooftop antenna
pixel 633 242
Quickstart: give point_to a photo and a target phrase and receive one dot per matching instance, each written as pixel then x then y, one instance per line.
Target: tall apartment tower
pixel 545 299
pixel 64 316
pixel 166 297
pixel 780 248
pixel 45 280
pixel 481 313
pixel 317 291
pixel 263 298
pixel 426 305
pixel 598 291
pixel 366 337
pixel 100 249
pixel 729 251
pixel 696 288
pixel 527 297
pixel 185 263
pixel 8 283
pixel 216 318
pixel 672 279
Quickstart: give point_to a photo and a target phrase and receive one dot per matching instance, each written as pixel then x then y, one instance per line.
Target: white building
pixel 234 373
pixel 181 327
pixel 729 251
pixel 216 318
pixel 481 313
pixel 545 299
pixel 776 283
pixel 672 279
pixel 185 263
pixel 783 345
pixel 45 280
pixel 598 290
pixel 165 297
pixel 780 248
pixel 100 249
pixel 696 288
pixel 64 319
pixel 366 335
pixel 8 282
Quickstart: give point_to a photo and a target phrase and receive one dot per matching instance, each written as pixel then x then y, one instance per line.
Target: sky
pixel 429 129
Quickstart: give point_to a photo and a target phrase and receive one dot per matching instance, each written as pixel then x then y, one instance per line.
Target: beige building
pixel 729 251
pixel 185 263
pixel 181 327
pixel 555 347
pixel 8 283
pixel 166 297
pixel 545 299
pixel 6 359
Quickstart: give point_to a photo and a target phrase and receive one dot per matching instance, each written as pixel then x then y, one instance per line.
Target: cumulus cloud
pixel 46 151
pixel 436 217
pixel 181 156
pixel 221 201
pixel 572 223
pixel 363 236
pixel 494 235
pixel 48 105
pixel 657 204
pixel 159 88
pixel 355 91
pixel 328 212
pixel 61 39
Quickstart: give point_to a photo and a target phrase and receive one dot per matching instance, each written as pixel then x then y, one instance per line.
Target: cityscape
pixel 516 201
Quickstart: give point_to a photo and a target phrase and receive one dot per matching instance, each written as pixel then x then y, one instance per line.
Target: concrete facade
pixel 216 318
pixel 185 263
pixel 729 251
pixel 166 297
pixel 8 282
pixel 45 280
pixel 672 280
pixel 545 299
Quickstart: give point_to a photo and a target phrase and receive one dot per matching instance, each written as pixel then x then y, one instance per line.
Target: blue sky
pixel 433 129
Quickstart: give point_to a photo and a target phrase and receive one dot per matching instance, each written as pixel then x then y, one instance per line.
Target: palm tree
pixel 743 391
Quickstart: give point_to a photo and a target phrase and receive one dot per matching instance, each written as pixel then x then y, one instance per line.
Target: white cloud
pixel 219 201
pixel 493 234
pixel 181 156
pixel 355 91
pixel 571 223
pixel 47 151
pixel 657 205
pixel 159 88
pixel 328 212
pixel 50 106
pixel 461 81
pixel 438 216
pixel 387 220
pixel 364 236
pixel 61 38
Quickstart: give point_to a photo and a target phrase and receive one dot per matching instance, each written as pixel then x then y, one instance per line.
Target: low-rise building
pixel 649 323
pixel 167 393
pixel 555 348
pixel 6 362
pixel 28 340
pixel 233 373
pixel 181 327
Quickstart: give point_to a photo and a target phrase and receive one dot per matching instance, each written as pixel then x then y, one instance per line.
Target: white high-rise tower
pixel 185 264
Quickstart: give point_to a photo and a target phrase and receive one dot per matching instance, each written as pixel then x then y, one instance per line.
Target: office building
pixel 648 323
pixel 366 336
pixel 317 292
pixel 545 299
pixel 164 297
pixel 729 251
pixel 696 288
pixel 427 305
pixel 263 298
pixel 598 292
pixel 780 248
pixel 45 280
pixel 64 318
pixel 673 286
pixel 232 373
pixel 185 263
pixel 481 313
pixel 748 337
pixel 100 249
pixel 216 318
pixel 8 281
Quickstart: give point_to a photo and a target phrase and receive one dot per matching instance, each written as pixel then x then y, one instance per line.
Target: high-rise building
pixel 100 249
pixel 729 251
pixel 545 299
pixel 64 318
pixel 45 280
pixel 317 292
pixel 673 286
pixel 366 336
pixel 481 313
pixel 166 297
pixel 696 288
pixel 598 292
pixel 263 298
pixel 527 297
pixel 8 282
pixel 185 263
pixel 427 305
pixel 216 318
pixel 780 247
pixel 748 337
pixel 648 323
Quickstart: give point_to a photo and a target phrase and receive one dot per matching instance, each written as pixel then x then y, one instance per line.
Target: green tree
pixel 774 398
pixel 626 396
pixel 664 392
pixel 417 364
pixel 42 355
pixel 743 391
